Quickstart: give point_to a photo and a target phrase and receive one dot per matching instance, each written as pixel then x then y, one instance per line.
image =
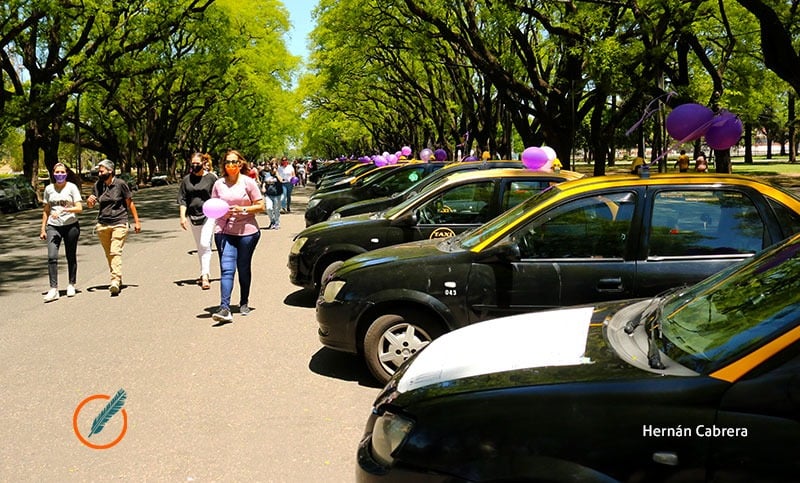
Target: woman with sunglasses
pixel 236 234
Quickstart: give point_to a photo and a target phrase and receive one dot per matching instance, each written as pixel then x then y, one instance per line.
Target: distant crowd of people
pixel 246 188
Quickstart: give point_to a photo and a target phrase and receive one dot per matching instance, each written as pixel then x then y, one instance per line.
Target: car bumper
pixel 300 273
pixel 337 326
pixel 368 470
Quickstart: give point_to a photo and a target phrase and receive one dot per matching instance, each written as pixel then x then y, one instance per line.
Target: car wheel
pixel 18 205
pixel 326 274
pixel 393 338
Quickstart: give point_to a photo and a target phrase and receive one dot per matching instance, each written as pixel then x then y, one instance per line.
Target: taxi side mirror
pixel 408 219
pixel 502 253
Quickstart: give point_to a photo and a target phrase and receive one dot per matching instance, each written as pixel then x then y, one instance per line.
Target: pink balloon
pixel 725 131
pixel 405 150
pixel 392 159
pixel 688 122
pixel 425 154
pixel 534 157
pixel 215 208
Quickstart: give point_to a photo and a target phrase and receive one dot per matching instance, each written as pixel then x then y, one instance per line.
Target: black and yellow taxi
pixel 384 202
pixel 455 202
pixel 698 384
pixel 382 181
pixel 582 241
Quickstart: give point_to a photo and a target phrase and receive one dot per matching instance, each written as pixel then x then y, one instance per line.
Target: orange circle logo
pixel 114 406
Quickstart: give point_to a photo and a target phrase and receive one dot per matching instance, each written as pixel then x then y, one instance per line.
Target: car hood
pixel 541 348
pixel 412 252
pixel 544 339
pixel 342 223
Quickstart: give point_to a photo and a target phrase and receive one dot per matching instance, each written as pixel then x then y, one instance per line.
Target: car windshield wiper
pixel 651 316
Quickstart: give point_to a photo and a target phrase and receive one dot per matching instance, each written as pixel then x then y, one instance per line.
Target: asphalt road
pixel 255 400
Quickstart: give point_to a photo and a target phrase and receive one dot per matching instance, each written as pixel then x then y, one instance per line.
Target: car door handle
pixel 610 285
pixel 666 458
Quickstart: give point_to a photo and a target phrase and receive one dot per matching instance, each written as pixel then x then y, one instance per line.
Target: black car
pixel 344 177
pixel 700 384
pixel 387 180
pixel 384 202
pixel 335 167
pixel 16 194
pixel 582 241
pixel 459 201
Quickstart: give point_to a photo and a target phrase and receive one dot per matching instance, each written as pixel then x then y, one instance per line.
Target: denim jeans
pixel 235 253
pixel 69 235
pixel 275 211
pixel 287 196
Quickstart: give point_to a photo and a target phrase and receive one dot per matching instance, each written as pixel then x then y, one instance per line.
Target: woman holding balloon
pixel 194 191
pixel 236 232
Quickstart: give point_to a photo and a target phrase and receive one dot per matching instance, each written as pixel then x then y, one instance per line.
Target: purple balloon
pixel 405 150
pixel 688 122
pixel 469 158
pixel 725 131
pixel 295 180
pixel 215 208
pixel 425 154
pixel 534 157
pixel 380 161
pixel 440 155
pixel 392 159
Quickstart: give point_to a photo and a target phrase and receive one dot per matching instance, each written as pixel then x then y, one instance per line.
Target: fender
pixel 404 297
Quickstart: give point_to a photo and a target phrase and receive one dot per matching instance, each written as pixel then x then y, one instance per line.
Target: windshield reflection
pixel 728 315
pixel 473 238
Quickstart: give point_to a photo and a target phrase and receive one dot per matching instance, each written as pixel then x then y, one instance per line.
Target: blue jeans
pixel 287 196
pixel 275 211
pixel 235 253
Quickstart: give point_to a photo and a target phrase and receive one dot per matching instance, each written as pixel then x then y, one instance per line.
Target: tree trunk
pixel 748 143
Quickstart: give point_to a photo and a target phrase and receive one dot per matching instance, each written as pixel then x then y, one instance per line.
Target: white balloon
pixel 551 153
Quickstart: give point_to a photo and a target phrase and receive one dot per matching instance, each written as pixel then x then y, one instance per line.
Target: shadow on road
pixel 339 365
pixel 302 298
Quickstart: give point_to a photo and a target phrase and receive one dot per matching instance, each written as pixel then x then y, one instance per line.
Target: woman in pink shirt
pixel 236 234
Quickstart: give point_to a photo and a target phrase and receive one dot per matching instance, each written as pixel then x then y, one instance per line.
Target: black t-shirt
pixel 194 191
pixel 111 200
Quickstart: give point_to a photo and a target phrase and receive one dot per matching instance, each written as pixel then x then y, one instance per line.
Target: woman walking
pixel 274 190
pixel 236 234
pixel 286 173
pixel 195 189
pixel 113 195
pixel 62 203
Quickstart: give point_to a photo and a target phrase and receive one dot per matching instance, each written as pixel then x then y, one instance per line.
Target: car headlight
pixel 335 216
pixel 332 289
pixel 388 433
pixel 298 245
pixel 313 203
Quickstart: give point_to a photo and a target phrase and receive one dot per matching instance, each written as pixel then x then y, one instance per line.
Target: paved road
pixel 258 399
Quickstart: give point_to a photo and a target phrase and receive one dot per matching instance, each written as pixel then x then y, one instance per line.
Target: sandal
pixel 204 283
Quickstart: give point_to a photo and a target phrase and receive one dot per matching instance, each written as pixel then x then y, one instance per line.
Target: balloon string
pixel 648 111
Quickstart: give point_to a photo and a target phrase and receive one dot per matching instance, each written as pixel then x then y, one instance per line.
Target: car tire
pixel 18 205
pixel 392 338
pixel 329 269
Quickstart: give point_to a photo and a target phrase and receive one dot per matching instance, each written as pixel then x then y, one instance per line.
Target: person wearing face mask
pixel 195 189
pixel 115 201
pixel 236 234
pixel 62 203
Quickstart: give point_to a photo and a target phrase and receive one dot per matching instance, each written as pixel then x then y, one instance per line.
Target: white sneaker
pixel 70 290
pixel 51 295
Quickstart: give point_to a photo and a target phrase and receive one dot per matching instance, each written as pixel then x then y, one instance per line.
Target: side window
pixel 465 204
pixel 788 219
pixel 593 227
pixel 402 180
pixel 686 223
pixel 518 191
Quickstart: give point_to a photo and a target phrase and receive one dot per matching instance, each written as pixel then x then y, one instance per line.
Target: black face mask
pixel 104 177
pixel 196 168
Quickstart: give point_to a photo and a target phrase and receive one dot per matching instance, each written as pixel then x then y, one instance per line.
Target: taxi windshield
pixel 369 176
pixel 735 311
pixel 400 208
pixel 473 238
